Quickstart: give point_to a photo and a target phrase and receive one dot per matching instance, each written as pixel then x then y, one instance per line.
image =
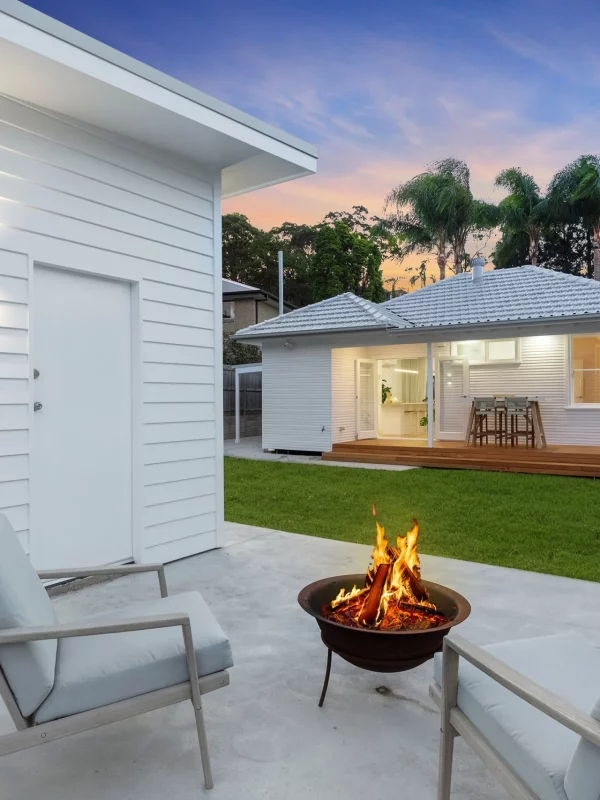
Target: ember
pixel 393 598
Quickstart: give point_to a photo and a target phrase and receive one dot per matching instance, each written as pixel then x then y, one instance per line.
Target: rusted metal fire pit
pixel 380 650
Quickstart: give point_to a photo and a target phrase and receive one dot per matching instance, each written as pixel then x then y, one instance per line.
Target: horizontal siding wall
pixel 296 396
pixel 14 394
pixel 543 371
pixel 75 197
pixel 343 372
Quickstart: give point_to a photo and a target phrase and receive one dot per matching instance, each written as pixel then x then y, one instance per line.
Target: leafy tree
pixel 235 352
pixel 356 220
pixel 523 212
pixel 575 192
pixel 568 247
pixel 346 261
pixel 243 250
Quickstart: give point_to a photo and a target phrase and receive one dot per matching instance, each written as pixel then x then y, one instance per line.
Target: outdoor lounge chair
pixel 530 709
pixel 149 655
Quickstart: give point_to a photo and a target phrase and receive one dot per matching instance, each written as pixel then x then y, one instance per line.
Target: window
pixel 488 351
pixel 502 350
pixel 229 309
pixel 474 352
pixel 586 369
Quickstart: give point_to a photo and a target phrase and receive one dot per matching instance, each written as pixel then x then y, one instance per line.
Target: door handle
pixel 37 406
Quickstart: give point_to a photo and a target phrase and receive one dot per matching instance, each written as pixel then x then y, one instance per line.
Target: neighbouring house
pixel 345 369
pixel 111 181
pixel 245 305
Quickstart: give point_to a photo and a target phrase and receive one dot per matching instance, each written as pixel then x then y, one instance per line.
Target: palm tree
pixel 574 192
pixel 469 216
pixel 442 213
pixel 523 211
pixel 423 223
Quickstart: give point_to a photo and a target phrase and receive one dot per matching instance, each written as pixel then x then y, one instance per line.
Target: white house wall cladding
pixel 78 198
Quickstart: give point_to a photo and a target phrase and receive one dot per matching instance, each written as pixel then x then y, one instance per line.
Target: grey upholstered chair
pixel 530 709
pixel 56 683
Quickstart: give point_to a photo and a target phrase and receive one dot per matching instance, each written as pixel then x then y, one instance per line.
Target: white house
pixel 527 331
pixel 111 180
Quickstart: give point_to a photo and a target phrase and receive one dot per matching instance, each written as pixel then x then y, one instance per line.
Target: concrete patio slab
pixel 268 738
pixel 251 448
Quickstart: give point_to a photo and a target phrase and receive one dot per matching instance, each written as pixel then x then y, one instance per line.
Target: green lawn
pixel 534 522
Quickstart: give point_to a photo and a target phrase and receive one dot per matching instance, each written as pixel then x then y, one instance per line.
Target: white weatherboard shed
pixel 523 331
pixel 111 179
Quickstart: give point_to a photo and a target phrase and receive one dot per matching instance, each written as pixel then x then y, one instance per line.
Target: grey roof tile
pixel 519 294
pixel 522 293
pixel 344 312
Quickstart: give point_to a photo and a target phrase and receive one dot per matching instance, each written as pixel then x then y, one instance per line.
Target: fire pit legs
pixel 326 681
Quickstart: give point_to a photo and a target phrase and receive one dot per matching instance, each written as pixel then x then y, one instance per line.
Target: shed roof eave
pixel 49 25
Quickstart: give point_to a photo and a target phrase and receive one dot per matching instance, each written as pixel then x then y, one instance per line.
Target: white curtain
pixel 414 380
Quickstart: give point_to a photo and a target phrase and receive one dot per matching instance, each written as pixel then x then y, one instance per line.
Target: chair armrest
pixel 115 569
pixel 68 630
pixel 534 694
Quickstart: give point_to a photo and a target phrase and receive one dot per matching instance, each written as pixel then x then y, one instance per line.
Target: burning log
pixel 419 591
pixel 368 615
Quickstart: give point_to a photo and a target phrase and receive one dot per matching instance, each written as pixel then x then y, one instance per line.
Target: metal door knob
pixel 37 406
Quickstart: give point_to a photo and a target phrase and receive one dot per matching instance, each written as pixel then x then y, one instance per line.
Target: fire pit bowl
pixel 376 650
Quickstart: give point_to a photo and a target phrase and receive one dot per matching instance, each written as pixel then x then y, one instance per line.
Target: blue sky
pixel 382 88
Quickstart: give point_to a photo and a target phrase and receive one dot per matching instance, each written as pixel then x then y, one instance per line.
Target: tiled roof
pixel 519 294
pixel 344 312
pixel 522 293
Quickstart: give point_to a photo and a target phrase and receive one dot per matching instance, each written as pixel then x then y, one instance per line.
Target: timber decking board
pixel 553 460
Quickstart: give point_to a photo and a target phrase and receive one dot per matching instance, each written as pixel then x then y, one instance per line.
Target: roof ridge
pixel 379 313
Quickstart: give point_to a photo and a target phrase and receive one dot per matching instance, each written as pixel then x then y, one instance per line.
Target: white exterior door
pixel 366 399
pixel 81 451
pixel 452 403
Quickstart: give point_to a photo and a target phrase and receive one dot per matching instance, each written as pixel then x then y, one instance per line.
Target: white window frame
pixel 572 403
pixel 486 361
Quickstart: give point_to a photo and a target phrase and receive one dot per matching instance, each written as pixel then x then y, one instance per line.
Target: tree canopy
pixel 343 252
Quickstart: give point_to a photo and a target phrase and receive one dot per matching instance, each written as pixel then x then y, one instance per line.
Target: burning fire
pixel 393 597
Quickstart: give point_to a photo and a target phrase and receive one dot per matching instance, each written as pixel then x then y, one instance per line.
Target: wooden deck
pixel 552 460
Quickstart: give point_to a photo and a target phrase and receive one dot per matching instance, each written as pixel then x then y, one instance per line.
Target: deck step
pixel 532 462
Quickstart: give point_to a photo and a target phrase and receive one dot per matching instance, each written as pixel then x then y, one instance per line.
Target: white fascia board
pixel 50 43
pixel 370 337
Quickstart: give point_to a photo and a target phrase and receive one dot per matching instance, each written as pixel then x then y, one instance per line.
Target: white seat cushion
pixel 24 603
pixel 93 671
pixel 537 747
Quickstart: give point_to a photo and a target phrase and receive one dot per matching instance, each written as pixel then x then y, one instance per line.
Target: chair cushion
pixel 537 747
pixel 583 775
pixel 93 671
pixel 29 668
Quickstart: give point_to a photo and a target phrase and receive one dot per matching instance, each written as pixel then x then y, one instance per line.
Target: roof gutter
pixel 430 331
pixel 320 332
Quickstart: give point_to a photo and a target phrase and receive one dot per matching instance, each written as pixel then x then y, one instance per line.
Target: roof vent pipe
pixel 477 265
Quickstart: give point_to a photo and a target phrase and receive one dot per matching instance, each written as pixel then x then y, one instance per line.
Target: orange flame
pixel 393 596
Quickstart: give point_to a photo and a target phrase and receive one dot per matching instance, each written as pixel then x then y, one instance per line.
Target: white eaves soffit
pixel 49 65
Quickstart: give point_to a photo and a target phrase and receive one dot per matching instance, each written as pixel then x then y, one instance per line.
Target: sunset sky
pixel 382 88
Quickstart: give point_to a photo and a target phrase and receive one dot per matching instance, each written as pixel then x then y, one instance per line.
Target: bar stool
pixel 484 407
pixel 519 408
